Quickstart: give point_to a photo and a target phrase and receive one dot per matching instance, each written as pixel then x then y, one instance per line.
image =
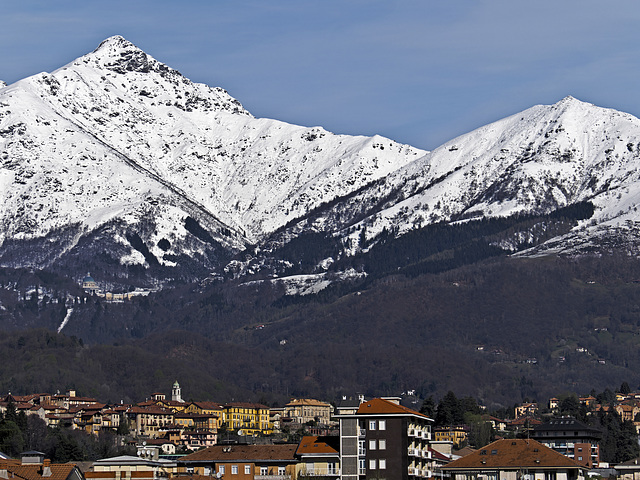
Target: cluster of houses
pixel 357 439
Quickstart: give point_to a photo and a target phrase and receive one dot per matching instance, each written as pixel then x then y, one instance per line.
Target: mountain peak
pixel 117 41
pixel 121 56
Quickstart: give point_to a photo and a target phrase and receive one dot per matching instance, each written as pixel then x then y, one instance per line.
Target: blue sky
pixel 420 72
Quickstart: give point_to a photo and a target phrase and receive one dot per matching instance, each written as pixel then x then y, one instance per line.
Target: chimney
pixel 46 468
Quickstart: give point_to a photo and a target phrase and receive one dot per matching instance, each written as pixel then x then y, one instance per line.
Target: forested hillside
pixel 499 330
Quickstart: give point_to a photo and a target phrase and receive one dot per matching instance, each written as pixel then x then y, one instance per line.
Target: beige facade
pixel 308 410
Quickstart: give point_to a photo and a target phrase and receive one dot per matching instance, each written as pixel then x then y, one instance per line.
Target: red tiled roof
pixel 59 471
pixel 208 405
pixel 152 410
pixel 525 420
pixel 224 453
pixel 379 406
pixel 509 453
pixel 245 405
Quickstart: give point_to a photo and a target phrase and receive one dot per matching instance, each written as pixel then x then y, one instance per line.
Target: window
pixel 282 470
pixel 221 469
pixel 362 468
pixel 372 444
pixel 234 469
pixel 579 459
pixel 382 464
pixel 247 469
pixel 372 464
pixel 361 447
pixel 331 469
pixel 382 425
pixel 372 424
pixel 264 470
pixel 382 444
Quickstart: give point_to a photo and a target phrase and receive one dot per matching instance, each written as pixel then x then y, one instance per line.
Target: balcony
pixel 413 471
pixel 322 473
pixel 414 452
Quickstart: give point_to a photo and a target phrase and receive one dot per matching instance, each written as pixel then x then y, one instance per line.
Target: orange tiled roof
pixel 508 453
pixel 379 406
pixel 317 445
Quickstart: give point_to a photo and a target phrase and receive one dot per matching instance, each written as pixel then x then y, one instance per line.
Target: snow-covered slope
pixel 121 156
pixel 533 162
pixel 116 136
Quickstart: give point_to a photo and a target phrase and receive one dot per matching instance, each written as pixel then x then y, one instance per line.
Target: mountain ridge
pixel 116 146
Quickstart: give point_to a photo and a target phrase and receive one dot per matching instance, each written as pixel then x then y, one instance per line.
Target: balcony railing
pixel 321 473
pixel 272 477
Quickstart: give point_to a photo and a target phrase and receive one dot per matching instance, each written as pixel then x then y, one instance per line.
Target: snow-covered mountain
pixel 116 137
pixel 117 157
pixel 536 161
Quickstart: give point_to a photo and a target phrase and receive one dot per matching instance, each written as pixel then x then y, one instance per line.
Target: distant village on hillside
pixel 355 438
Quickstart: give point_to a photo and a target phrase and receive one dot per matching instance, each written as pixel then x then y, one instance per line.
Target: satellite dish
pixel 144 443
pixel 218 475
pixel 240 432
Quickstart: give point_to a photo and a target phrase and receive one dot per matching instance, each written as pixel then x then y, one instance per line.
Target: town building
pixel 127 467
pixel 307 410
pixel 149 421
pixel 526 409
pixel 515 459
pixel 34 466
pixel 456 434
pixel 383 439
pixel 319 456
pixel 571 438
pixel 247 418
pixel 629 470
pixel 243 462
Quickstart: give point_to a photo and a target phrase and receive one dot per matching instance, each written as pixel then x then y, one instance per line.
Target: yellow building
pixel 457 434
pixel 248 418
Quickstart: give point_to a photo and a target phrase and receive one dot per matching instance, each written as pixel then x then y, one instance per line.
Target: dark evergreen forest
pixel 440 309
